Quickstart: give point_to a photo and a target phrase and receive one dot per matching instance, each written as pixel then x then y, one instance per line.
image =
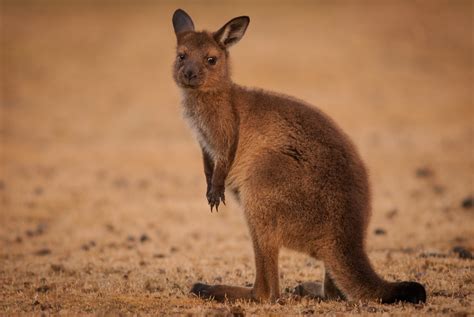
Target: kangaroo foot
pixel 221 293
pixel 411 292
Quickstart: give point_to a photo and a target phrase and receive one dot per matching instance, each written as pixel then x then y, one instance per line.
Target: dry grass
pixel 98 168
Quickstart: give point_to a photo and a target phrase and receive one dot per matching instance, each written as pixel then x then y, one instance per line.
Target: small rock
pixel 31 204
pixel 43 289
pixel 281 301
pixel 142 263
pixel 463 253
pixel 38 190
pixel 58 268
pixel 237 311
pixel 371 309
pixel 459 239
pixel 439 189
pixel 392 213
pixel 109 227
pixel 467 202
pixel 121 182
pixel 174 249
pixel 380 231
pixel 152 286
pixel 39 230
pixel 18 239
pixel 101 174
pixel 42 252
pixel 144 237
pixel 308 312
pixel 30 233
pixel 159 255
pixel 419 306
pixel 447 310
pixel 143 184
pixel 46 306
pixel 424 172
pixel 432 254
pixel 308 289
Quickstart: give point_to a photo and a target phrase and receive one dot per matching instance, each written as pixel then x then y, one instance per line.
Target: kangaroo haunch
pixel 297 176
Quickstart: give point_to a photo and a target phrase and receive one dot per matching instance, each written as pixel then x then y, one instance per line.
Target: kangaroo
pixel 297 176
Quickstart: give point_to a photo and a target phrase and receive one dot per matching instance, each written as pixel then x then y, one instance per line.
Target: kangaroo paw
pixel 411 292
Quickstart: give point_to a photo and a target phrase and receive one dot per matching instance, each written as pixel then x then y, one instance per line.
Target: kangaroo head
pixel 202 57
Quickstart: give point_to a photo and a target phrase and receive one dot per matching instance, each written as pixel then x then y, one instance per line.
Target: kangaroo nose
pixel 189 74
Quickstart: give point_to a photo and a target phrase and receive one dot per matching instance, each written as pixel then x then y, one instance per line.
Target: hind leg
pixel 266 286
pixel 331 291
pixel 350 267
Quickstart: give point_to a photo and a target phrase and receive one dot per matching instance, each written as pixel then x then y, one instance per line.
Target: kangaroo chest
pixel 203 123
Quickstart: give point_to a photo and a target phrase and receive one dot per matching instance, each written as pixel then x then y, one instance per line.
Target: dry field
pixel 102 205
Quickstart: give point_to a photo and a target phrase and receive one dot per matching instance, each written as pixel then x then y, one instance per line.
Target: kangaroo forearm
pixel 221 169
pixel 208 167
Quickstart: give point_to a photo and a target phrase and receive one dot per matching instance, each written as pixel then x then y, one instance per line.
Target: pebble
pixel 174 249
pixel 307 289
pixel 120 182
pixel 152 286
pixel 237 311
pixel 144 237
pixel 143 184
pixel 439 189
pixel 423 172
pixel 58 268
pixel 38 190
pixel 42 252
pixel 109 227
pixel 432 254
pixel 39 230
pixel 380 231
pixel 43 289
pixel 467 202
pixel 392 213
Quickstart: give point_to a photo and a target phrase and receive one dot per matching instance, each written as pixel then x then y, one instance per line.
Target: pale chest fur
pixel 211 121
pixel 198 124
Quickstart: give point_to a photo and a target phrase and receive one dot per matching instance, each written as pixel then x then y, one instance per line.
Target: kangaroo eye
pixel 181 57
pixel 212 60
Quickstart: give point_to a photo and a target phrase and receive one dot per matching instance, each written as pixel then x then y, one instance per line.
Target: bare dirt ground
pixel 102 205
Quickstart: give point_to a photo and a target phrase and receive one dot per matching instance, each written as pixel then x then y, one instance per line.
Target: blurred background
pixel 101 183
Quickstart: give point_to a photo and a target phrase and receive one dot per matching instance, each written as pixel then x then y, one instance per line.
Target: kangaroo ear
pixel 232 31
pixel 182 22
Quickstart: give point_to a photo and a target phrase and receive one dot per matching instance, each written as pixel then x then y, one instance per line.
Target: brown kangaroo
pixel 298 177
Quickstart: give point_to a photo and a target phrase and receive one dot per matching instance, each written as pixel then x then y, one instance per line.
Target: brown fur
pixel 298 177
